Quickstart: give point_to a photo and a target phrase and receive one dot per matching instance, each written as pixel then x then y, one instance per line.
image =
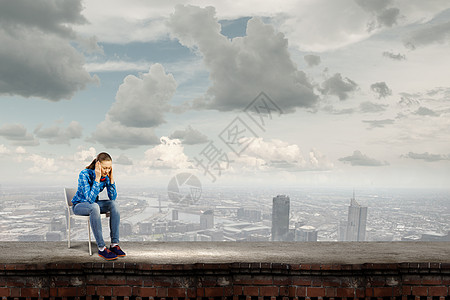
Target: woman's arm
pixel 111 187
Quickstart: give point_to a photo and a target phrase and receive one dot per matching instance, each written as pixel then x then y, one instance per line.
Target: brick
pixel 14 292
pixel 281 280
pixel 406 290
pixel 71 292
pixel 301 291
pixel 332 282
pixel 237 290
pixel 292 291
pixel 431 280
pixel 419 290
pixel 4 292
pixel 331 292
pixel 162 292
pixel 345 292
pixel 214 291
pixel 437 291
pixel 122 290
pixel 412 279
pixel 305 267
pixel 382 291
pixel 29 292
pixel 104 291
pixel 251 291
pixel 268 291
pixel 145 291
pixel 315 292
pixel 263 280
pixel 177 292
pixel 283 291
pixel 301 281
pixel 116 281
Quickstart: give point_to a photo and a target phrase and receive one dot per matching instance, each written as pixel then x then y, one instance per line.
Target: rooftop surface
pixel 229 252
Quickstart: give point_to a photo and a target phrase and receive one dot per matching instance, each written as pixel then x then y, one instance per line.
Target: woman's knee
pixel 95 209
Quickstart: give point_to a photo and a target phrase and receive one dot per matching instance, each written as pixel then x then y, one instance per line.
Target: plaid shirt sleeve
pixel 111 189
pixel 88 186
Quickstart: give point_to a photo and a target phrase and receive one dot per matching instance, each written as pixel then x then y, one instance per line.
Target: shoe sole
pixel 107 258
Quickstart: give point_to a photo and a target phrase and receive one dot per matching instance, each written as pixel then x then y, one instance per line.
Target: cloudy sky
pixel 348 93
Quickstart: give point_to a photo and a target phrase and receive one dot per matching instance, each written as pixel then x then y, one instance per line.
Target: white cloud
pixel 83 155
pixel 242 67
pixel 37 57
pixel 167 155
pixel 276 155
pixel 42 165
pixel 4 150
pixel 117 65
pixel 142 101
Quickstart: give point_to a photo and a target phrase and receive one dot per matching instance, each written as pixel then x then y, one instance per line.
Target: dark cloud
pixel 369 107
pixel 427 156
pixel 189 136
pixel 381 89
pixel 18 135
pixel 114 135
pixel 433 33
pixel 407 100
pixel 359 159
pixel 123 160
pixel 338 86
pixel 384 16
pixel 58 135
pixel 312 60
pixel 423 111
pixel 37 53
pixel 379 123
pixel 393 56
pixel 243 67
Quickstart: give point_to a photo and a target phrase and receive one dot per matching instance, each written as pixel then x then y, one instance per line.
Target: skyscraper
pixel 280 218
pixel 356 224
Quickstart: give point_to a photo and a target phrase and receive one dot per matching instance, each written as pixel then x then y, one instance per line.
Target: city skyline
pixel 348 93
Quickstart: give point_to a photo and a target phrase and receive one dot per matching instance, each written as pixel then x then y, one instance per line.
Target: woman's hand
pixel 98 171
pixel 110 175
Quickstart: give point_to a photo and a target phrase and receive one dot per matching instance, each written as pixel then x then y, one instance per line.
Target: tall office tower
pixel 207 220
pixel 356 224
pixel 280 218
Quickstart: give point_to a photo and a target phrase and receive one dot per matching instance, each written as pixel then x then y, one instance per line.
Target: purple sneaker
pixel 107 254
pixel 117 251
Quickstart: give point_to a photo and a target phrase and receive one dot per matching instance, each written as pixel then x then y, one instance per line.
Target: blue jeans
pixel 93 211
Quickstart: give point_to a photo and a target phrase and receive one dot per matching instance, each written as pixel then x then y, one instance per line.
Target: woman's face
pixel 106 167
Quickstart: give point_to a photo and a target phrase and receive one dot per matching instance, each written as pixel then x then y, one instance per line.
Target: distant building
pixel 435 237
pixel 249 215
pixel 356 222
pixel 174 215
pixel 125 228
pixel 145 228
pixel 280 218
pixel 306 234
pixel 207 220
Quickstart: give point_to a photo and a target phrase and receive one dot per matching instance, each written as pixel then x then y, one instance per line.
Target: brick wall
pixel 237 281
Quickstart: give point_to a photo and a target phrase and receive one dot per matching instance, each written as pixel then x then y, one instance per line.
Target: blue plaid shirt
pixel 88 188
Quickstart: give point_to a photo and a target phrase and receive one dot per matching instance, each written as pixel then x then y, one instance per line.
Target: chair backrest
pixel 68 194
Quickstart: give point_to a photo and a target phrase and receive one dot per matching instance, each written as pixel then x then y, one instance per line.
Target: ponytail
pixel 100 157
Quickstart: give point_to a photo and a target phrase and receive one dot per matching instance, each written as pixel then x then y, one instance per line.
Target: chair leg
pixel 68 233
pixel 89 230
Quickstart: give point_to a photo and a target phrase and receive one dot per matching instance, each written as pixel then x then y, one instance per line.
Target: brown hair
pixel 100 157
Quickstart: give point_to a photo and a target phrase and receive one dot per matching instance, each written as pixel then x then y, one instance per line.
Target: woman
pixel 91 181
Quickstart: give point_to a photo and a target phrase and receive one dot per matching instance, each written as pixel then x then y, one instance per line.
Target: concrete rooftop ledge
pixel 232 252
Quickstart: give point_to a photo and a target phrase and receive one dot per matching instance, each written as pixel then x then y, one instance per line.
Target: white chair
pixel 69 193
